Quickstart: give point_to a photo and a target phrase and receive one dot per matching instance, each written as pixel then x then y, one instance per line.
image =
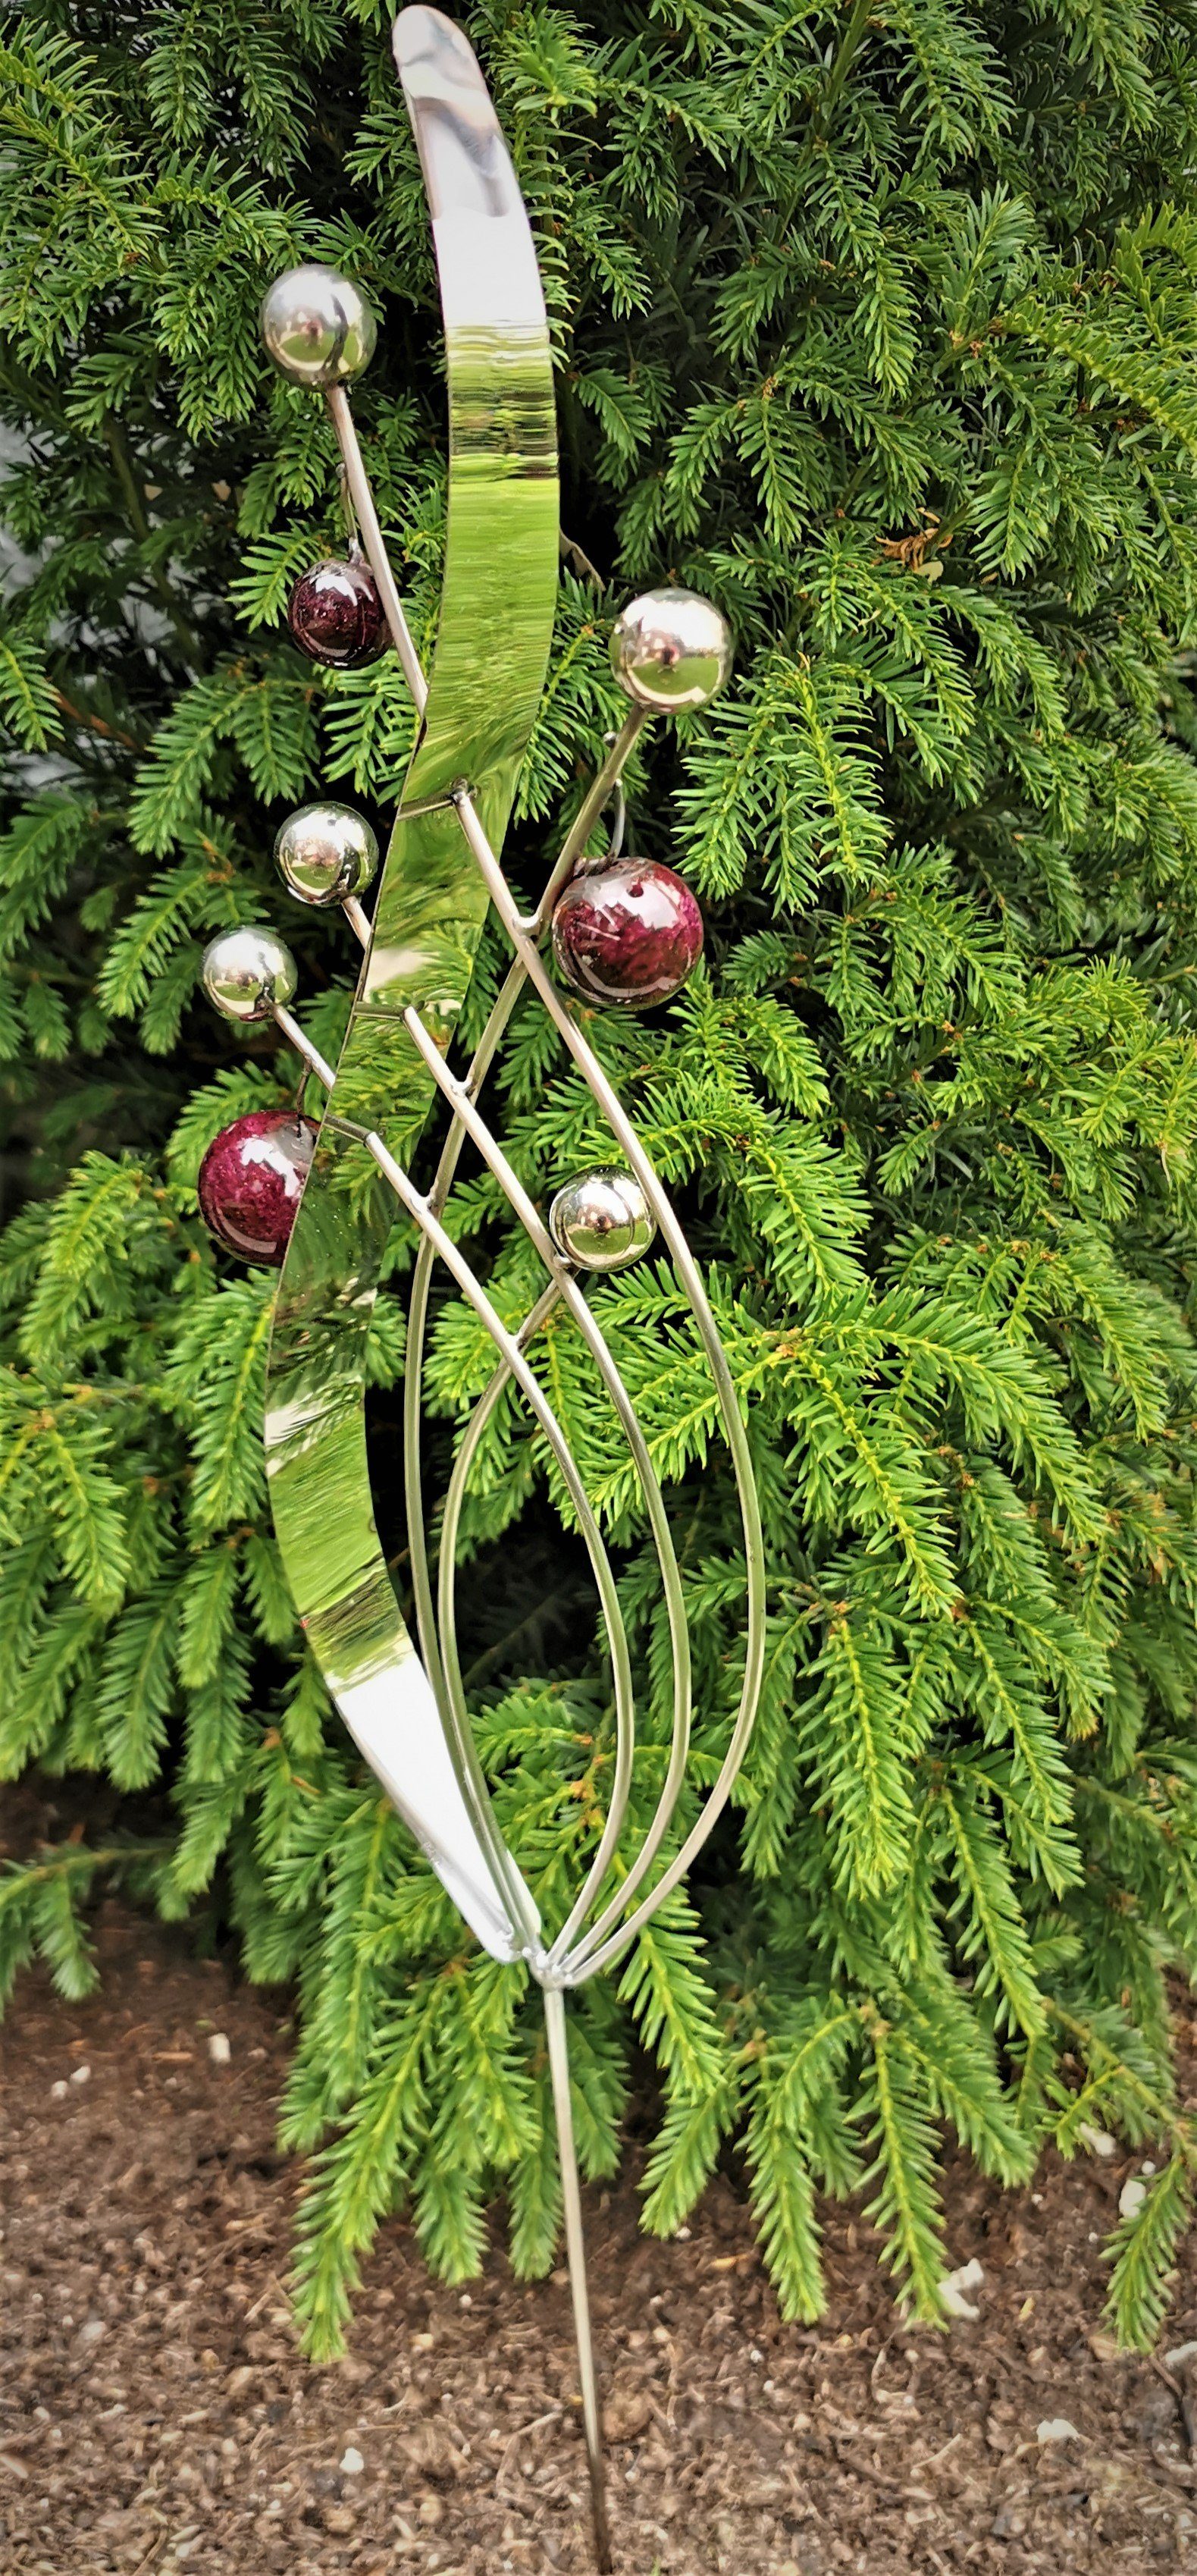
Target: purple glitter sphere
pixel 336 616
pixel 626 935
pixel 251 1182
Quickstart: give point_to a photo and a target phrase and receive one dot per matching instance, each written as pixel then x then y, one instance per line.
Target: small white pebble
pixel 219 2049
pixel 92 2331
pixel 82 2075
pixel 465 2300
pixel 352 2463
pixel 953 2287
pixel 1148 2167
pixel 1132 2196
pixel 1098 2141
pixel 753 2353
pixel 59 2091
pixel 1056 2428
pixel 1037 2197
pixel 682 2235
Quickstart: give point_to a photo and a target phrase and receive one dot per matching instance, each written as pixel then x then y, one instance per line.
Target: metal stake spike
pixel 556 2034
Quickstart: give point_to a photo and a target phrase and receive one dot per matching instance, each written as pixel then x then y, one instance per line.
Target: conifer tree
pixel 875 322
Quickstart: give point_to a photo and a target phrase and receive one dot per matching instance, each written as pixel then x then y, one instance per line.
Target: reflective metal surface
pixel 670 650
pixel 325 852
pixel 246 972
pixel 491 652
pixel 601 1220
pixel 317 327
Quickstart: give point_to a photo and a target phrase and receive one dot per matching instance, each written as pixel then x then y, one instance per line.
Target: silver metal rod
pixel 359 921
pixel 587 815
pixel 430 1646
pixel 362 498
pixel 558 2045
pixel 455 1715
pixel 595 1951
pixel 444 1669
pixel 671 1581
pixel 417 1324
pixel 621 1668
pixel 303 1046
pixel 405 813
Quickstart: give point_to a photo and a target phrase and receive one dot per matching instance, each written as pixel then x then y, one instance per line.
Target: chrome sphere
pixel 601 1220
pixel 317 327
pixel 325 852
pixel 246 972
pixel 670 649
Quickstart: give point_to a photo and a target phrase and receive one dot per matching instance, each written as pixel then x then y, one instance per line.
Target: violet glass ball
pixel 627 934
pixel 251 1182
pixel 336 616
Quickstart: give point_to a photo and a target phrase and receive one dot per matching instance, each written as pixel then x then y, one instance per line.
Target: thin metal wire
pixel 358 487
pixel 451 1694
pixel 569 1291
pixel 298 1038
pixel 593 1953
pixel 605 779
pixel 359 921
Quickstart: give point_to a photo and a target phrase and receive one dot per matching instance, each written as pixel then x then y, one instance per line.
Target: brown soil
pixel 155 2415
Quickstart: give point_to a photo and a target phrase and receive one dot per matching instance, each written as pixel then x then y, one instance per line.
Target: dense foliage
pixel 877 323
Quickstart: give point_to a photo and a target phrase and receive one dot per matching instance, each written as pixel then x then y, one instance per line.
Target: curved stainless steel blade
pixel 487 676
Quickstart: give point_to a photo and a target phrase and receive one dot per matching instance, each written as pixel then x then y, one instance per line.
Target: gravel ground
pixel 155 2413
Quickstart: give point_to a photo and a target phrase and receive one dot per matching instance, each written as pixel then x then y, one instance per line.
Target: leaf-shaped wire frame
pixel 407 1710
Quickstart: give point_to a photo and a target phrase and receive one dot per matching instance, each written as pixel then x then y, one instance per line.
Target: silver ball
pixel 601 1220
pixel 246 972
pixel 670 649
pixel 325 852
pixel 317 327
